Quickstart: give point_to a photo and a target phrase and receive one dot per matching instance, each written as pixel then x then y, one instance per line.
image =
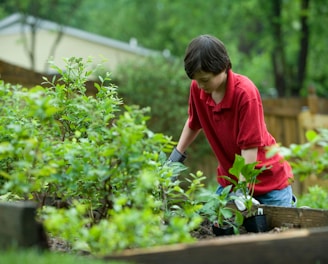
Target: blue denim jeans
pixel 282 197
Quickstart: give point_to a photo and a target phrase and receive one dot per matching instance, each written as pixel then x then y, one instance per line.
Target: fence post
pixel 312 100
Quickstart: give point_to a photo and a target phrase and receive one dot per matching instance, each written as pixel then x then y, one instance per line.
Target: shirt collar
pixel 228 96
pixel 230 91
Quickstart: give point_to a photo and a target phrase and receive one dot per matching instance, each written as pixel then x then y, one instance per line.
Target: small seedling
pixel 246 187
pixel 218 210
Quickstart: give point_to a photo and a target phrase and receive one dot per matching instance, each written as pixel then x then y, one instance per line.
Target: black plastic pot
pixel 223 231
pixel 256 224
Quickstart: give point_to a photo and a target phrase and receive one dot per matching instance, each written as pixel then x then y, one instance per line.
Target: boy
pixel 227 107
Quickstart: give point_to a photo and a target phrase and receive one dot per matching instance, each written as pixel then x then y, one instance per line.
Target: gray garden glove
pixel 240 199
pixel 176 156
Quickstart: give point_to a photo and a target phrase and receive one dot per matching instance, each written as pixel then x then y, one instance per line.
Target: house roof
pixel 17 22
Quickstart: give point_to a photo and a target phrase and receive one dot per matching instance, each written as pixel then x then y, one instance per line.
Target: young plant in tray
pixel 244 191
pixel 226 219
pixel 246 187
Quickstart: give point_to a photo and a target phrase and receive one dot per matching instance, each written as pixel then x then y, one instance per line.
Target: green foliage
pixel 216 208
pixel 160 84
pixel 139 219
pixel 250 173
pixel 311 157
pixel 267 45
pixel 59 11
pixel 316 197
pixel 251 44
pixel 55 134
pixel 316 68
pixel 98 159
pixel 17 256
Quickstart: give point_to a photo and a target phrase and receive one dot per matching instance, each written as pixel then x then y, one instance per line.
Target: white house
pixel 15 30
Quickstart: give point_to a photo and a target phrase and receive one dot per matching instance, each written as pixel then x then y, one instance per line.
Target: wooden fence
pixel 288 119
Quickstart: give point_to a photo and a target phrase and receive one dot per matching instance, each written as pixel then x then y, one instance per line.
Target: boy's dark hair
pixel 206 53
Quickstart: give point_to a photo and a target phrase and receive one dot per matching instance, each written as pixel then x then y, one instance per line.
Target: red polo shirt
pixel 237 123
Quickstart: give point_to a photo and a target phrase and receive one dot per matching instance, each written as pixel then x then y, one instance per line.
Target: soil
pixel 58 245
pixel 204 232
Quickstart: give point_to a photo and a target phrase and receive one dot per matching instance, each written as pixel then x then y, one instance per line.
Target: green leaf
pixel 311 135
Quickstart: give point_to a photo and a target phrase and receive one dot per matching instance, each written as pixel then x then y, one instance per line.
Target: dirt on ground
pixel 204 232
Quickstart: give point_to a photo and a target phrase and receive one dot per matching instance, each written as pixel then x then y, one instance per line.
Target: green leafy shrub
pixel 316 197
pixel 308 159
pixel 97 160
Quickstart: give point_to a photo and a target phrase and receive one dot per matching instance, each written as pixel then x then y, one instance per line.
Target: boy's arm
pixel 188 136
pixel 250 156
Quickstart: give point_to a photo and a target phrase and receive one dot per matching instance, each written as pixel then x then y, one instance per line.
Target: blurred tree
pixel 289 74
pixel 279 44
pixel 316 67
pixel 267 40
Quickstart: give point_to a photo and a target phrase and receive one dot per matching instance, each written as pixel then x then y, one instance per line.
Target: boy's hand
pixel 240 200
pixel 177 156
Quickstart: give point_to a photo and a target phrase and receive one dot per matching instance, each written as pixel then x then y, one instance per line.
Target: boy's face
pixel 210 82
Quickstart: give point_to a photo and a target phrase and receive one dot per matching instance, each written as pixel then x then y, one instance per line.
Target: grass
pixel 19 256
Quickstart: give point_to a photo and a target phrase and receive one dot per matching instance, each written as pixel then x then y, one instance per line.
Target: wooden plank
pixel 295 217
pixel 294 246
pixel 323 106
pixel 282 111
pixel 295 103
pixel 292 217
pixel 273 126
pixel 291 130
pixel 18 226
pixel 283 128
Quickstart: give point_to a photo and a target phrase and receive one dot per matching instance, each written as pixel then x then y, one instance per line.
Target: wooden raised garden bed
pixel 304 239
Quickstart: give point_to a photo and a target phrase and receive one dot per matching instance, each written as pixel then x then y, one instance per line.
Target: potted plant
pixel 254 219
pixel 225 219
